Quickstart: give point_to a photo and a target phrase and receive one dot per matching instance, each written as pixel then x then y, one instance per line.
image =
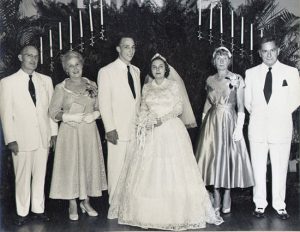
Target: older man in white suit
pixel 272 93
pixel 119 101
pixel 28 132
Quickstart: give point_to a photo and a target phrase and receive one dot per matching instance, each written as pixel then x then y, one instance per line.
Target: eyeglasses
pixel 32 56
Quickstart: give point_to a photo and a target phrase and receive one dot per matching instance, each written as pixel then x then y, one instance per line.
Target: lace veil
pixel 187 116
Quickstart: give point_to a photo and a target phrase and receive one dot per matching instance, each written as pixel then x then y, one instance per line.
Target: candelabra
pixel 102 37
pixel 92 39
pixel 81 49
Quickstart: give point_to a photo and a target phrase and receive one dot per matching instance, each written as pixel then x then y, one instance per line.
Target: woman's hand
pixel 91 117
pixel 78 117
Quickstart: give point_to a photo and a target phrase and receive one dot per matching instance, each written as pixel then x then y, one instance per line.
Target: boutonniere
pixel 284 83
pixel 91 90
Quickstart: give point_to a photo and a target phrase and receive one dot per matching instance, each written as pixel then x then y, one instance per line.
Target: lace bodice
pixel 162 100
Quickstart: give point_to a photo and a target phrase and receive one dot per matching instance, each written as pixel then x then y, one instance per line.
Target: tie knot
pixel 128 67
pixel 30 76
pixel 270 69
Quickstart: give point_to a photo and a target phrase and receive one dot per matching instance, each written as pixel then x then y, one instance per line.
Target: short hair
pixel 221 52
pixel 69 55
pixel 167 67
pixel 268 38
pixel 122 36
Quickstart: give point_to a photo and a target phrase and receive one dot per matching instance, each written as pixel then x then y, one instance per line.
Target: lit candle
pixel 200 9
pixel 251 37
pixel 242 31
pixel 80 24
pixel 221 20
pixel 41 49
pixel 210 17
pixel 261 33
pixel 232 24
pixel 50 42
pixel 70 25
pixel 60 36
pixel 91 17
pixel 101 12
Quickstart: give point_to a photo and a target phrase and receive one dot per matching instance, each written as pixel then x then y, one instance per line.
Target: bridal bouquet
pixel 145 122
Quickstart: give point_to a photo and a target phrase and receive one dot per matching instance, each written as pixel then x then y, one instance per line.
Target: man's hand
pixel 158 122
pixel 112 136
pixel 13 146
pixel 53 142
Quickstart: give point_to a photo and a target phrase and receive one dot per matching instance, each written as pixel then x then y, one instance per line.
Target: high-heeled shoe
pixel 92 213
pixel 73 216
pixel 226 211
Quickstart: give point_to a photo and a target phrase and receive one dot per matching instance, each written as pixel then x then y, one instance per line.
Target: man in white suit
pixel 272 93
pixel 28 132
pixel 119 101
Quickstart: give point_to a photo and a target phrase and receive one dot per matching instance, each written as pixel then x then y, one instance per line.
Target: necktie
pixel 268 85
pixel 31 89
pixel 130 81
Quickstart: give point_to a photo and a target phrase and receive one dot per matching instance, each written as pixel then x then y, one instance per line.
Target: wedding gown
pixel 160 186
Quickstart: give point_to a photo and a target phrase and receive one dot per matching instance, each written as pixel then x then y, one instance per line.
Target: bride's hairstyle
pixel 163 59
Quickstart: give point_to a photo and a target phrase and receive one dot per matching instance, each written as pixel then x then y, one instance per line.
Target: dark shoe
pixel 40 217
pixel 259 213
pixel 19 221
pixel 282 214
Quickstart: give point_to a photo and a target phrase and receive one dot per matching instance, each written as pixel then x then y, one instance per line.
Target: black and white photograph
pixel 149 115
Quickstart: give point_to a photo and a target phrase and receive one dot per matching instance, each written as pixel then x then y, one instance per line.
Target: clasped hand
pixel 80 117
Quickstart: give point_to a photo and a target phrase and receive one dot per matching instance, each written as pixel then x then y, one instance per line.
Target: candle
pixel 50 42
pixel 80 24
pixel 101 12
pixel 251 37
pixel 60 36
pixel 261 33
pixel 242 31
pixel 70 25
pixel 221 20
pixel 200 9
pixel 41 49
pixel 91 17
pixel 210 17
pixel 232 24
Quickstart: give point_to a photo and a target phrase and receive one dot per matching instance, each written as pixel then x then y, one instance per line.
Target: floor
pixel 240 219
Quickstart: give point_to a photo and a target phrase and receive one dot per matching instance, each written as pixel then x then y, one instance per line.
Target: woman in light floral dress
pixel 78 170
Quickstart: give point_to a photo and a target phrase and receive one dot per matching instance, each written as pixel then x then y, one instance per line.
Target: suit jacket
pixel 117 106
pixel 272 122
pixel 22 121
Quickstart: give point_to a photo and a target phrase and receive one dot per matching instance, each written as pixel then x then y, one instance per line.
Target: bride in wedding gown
pixel 161 186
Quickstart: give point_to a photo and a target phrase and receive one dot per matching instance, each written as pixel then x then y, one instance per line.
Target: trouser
pixel 115 161
pixel 30 170
pixel 279 157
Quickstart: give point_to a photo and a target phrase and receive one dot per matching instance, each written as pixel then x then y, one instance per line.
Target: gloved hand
pixel 66 117
pixel 91 117
pixel 238 130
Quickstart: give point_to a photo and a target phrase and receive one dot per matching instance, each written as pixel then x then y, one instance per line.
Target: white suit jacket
pixel 117 106
pixel 272 122
pixel 22 121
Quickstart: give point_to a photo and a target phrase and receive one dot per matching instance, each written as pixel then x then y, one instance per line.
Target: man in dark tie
pixel 119 101
pixel 272 93
pixel 28 132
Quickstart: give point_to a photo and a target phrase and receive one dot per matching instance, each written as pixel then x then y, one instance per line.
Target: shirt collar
pixel 24 74
pixel 122 64
pixel 266 67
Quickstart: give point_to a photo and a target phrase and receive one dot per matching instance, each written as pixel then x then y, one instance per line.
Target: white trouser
pixel 279 157
pixel 115 161
pixel 30 171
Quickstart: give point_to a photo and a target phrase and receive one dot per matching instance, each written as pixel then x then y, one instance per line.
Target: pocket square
pixel 284 83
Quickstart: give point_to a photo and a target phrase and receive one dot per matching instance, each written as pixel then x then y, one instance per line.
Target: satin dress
pixel 223 162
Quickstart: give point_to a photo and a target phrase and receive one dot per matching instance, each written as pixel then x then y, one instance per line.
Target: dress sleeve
pixel 56 104
pixel 178 103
